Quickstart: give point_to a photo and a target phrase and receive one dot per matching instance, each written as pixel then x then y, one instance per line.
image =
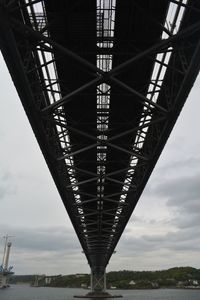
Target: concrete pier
pixel 99 295
pixel 5 271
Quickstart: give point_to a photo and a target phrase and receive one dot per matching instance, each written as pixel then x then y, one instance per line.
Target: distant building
pixel 193 282
pixel 132 282
pixel 180 284
pixel 155 285
pixel 49 279
pixel 80 275
pixel 113 287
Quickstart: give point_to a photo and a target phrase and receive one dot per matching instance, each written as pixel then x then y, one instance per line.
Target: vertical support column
pixel 4 281
pixel 4 252
pixel 5 272
pixel 105 281
pixel 7 254
pixel 91 281
pixel 98 281
pixel 98 286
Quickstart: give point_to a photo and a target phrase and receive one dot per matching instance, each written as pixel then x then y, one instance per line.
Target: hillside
pixel 179 277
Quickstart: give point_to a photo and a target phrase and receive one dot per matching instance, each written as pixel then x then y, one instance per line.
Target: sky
pixel 163 232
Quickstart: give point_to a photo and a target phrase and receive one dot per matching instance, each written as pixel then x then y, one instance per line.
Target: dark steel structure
pixel 102 83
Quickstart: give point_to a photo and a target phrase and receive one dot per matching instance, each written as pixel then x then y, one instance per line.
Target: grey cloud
pixel 139 220
pixel 44 239
pixel 48 263
pixel 166 176
pixel 187 165
pixel 2 190
pixel 183 201
pixel 134 221
pixel 183 196
pixel 182 240
pixel 6 187
pixel 180 190
pixel 49 250
pixel 186 220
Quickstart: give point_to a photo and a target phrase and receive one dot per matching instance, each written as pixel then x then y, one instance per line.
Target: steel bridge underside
pixel 99 116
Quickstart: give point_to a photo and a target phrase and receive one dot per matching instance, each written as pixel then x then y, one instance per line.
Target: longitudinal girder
pixel 102 83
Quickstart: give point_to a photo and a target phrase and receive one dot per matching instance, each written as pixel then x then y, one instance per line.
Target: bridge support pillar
pixel 98 286
pixel 98 282
pixel 3 281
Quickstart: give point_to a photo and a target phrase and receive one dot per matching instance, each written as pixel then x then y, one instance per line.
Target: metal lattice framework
pixel 102 83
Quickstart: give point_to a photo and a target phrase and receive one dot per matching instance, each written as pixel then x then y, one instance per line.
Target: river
pixel 20 292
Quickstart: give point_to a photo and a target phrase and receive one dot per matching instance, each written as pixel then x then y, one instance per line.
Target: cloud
pixel 152 242
pixel 188 164
pixel 151 252
pixel 49 250
pixel 180 191
pixel 183 195
pixel 43 238
pixel 6 188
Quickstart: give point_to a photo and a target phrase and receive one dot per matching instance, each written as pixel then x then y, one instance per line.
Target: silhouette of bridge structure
pixel 102 83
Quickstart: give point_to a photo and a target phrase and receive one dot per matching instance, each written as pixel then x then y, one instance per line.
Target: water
pixel 19 292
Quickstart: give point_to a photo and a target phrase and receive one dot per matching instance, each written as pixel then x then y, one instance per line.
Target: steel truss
pixel 126 150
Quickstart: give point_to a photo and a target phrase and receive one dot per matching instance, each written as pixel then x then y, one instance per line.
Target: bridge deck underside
pixel 103 132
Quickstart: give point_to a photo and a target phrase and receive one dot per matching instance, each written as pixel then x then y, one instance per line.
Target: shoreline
pixel 118 289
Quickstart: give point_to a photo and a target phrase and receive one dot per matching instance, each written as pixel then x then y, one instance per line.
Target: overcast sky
pixel 163 232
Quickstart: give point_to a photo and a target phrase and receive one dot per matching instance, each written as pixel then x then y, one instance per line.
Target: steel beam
pixel 155 48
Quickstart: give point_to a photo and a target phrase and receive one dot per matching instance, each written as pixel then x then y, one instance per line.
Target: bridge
pixel 102 83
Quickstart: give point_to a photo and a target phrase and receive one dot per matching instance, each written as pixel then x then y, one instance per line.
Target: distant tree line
pixel 178 276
